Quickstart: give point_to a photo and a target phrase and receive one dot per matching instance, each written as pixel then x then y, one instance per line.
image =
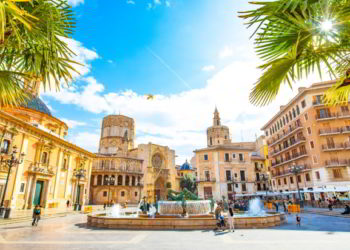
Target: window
pixel 307 176
pixel 135 194
pixel 257 177
pixel 278 126
pixel 241 158
pixel 122 194
pixel 318 177
pixel 228 175
pixel 273 183
pixel 267 133
pixel 211 141
pixel 227 158
pixel 284 121
pixel 244 187
pixel 205 157
pixel 104 193
pixel 127 180
pixel 21 189
pixel 287 119
pixel 309 131
pixel 303 104
pixel 344 109
pixel 5 146
pixel 337 173
pixel 44 157
pixel 259 187
pixel 229 187
pixel 279 182
pixel 298 110
pixel 290 116
pixel 306 117
pixel 270 131
pixel 312 145
pixel 133 181
pixel 233 156
pixel 281 123
pixel 299 178
pixel 207 175
pixel 294 114
pixel 242 174
pixel 285 181
pixel 120 180
pixel 323 113
pixel 99 180
pixel 291 179
pixel 236 185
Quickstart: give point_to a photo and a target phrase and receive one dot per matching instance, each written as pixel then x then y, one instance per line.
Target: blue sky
pixel 191 54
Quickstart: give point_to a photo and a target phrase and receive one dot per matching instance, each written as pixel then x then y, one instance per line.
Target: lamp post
pixel 265 178
pixel 78 173
pixel 296 170
pixel 110 181
pixel 12 162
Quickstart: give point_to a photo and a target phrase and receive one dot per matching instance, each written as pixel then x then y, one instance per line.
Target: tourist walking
pixel 36 215
pixel 68 202
pixel 276 206
pixel 231 221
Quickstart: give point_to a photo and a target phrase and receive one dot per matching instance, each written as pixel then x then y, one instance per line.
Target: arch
pixel 159 190
pixel 120 180
pixel 99 180
pixel 5 146
pixel 105 180
pixel 92 181
pixel 133 181
pixel 127 180
pixel 112 180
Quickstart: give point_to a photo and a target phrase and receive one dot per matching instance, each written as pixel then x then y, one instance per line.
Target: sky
pixel 192 55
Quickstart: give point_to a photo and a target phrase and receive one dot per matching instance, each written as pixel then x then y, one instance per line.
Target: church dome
pixel 35 103
pixel 186 166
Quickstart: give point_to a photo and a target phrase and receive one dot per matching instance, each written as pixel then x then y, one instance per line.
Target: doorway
pixel 77 199
pixel 38 192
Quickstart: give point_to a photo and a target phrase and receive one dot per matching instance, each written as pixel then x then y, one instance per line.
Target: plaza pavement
pixel 316 232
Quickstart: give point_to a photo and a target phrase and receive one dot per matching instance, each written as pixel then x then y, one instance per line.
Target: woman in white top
pixel 231 221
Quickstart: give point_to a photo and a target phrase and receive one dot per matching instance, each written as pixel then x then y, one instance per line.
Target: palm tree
pixel 32 47
pixel 295 38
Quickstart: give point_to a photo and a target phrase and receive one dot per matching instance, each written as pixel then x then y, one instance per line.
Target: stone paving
pixel 316 232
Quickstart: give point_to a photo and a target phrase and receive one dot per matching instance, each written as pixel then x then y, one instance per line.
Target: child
pixel 298 220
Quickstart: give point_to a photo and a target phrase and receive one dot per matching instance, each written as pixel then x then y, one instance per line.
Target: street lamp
pixel 78 173
pixel 110 181
pixel 12 162
pixel 265 178
pixel 297 170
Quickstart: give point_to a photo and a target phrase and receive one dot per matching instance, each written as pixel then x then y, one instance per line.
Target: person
pixel 104 206
pixel 217 215
pixel 67 203
pixel 347 210
pixel 36 215
pixel 330 205
pixel 284 206
pixel 298 218
pixel 319 202
pixel 276 206
pixel 231 216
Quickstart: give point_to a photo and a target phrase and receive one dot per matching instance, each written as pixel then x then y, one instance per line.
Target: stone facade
pixel 228 169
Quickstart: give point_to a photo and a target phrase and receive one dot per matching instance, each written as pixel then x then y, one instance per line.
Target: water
pixel 256 207
pixel 116 211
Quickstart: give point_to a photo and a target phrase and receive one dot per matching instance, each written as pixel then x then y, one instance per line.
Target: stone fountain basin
pixel 171 223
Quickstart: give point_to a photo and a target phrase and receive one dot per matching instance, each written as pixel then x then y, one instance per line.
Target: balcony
pixel 332 147
pixel 128 170
pixel 346 130
pixel 206 179
pixel 317 103
pixel 289 159
pixel 290 131
pixel 40 169
pixel 344 114
pixel 290 145
pixel 327 116
pixel 287 172
pixel 330 131
pixel 337 163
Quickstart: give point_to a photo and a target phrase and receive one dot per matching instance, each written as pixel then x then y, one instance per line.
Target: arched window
pixel 290 116
pixel 5 146
pixel 105 181
pixel 122 194
pixel 298 110
pixel 44 157
pixel 284 121
pixel 127 180
pixel 133 181
pixel 92 181
pixel 211 141
pixel 112 180
pixel 287 119
pixel 102 164
pixel 120 180
pixel 294 115
pixel 99 180
pixel 139 178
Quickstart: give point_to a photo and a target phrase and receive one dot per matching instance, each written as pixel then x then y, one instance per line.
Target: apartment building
pixel 315 137
pixel 227 169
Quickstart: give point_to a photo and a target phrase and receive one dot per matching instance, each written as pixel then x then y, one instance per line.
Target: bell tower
pixel 216 119
pixel 217 134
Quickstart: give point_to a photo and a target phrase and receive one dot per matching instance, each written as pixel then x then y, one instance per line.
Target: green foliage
pixel 181 196
pixel 289 38
pixel 189 183
pixel 32 46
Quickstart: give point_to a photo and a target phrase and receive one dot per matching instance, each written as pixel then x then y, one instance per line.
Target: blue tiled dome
pixel 186 166
pixel 37 104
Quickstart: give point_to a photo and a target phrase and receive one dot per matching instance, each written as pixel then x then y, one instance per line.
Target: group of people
pixel 220 217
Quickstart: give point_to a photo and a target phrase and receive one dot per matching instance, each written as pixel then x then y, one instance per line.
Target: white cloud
pixel 208 68
pixel 75 2
pixel 86 140
pixel 226 52
pixel 130 2
pixel 157 2
pixel 72 123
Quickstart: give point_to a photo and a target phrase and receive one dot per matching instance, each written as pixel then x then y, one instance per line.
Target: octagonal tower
pixel 117 134
pixel 217 134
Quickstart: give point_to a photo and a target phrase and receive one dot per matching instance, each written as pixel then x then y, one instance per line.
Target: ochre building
pixel 46 176
pixel 307 134
pixel 227 169
pixel 122 173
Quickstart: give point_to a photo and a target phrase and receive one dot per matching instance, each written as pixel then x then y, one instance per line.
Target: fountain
pixel 180 215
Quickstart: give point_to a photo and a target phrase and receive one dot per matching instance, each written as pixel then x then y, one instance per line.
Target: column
pixel 32 192
pixel 27 191
pixel 58 172
pixel 68 178
pixel 87 196
pixel 19 172
pixel 45 194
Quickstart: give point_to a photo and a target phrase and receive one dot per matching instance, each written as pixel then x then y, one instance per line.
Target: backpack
pixel 37 211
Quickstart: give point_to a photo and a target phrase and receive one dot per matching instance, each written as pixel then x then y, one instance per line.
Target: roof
pixel 37 104
pixel 226 147
pixel 186 166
